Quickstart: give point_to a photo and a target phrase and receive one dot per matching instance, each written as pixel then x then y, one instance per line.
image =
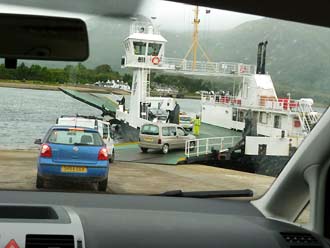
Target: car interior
pixel 61 219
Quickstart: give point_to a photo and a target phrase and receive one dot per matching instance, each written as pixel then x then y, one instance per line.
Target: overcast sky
pixel 177 16
pixel 170 15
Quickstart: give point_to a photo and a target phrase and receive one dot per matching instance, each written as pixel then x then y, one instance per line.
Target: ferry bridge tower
pixel 144 50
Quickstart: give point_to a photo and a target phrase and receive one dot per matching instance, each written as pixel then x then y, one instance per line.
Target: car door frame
pixel 181 139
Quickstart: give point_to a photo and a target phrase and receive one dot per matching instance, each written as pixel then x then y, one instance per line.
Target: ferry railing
pixel 227 68
pixel 204 146
pixel 143 27
pixel 220 99
pixel 281 104
pixel 307 116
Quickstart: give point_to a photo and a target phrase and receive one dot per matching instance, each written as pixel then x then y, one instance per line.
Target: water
pixel 26 115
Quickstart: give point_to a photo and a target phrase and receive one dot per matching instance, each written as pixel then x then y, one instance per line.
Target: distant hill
pixel 298 55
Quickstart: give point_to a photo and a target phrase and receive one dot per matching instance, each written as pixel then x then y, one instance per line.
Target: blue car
pixel 73 154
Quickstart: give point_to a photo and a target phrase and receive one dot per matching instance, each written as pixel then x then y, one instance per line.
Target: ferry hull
pixel 220 117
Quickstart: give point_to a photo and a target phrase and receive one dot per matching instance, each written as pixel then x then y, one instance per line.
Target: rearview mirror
pixel 42 38
pixel 37 142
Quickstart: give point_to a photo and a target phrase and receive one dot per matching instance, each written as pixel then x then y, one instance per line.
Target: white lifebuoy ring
pixel 155 60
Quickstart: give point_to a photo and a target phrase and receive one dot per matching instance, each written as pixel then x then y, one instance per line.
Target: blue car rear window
pixel 74 137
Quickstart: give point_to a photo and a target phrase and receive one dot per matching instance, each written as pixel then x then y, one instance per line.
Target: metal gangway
pixel 205 146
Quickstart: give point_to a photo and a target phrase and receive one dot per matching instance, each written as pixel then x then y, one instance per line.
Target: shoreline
pixel 89 89
pixel 82 88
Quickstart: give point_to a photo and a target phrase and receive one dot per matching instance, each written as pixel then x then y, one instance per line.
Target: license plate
pixel 74 169
pixel 148 139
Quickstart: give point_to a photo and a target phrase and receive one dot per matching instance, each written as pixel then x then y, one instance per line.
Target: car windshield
pixel 185 119
pixel 74 137
pixel 162 118
pixel 254 87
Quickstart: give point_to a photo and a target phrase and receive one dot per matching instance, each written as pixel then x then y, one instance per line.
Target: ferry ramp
pixel 130 152
pixel 106 105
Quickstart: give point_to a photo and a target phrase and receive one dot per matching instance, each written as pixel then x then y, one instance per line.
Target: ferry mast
pixel 195 42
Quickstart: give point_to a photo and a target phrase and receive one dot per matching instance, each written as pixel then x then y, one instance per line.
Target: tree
pixel 103 68
pixel 128 78
pixel 22 72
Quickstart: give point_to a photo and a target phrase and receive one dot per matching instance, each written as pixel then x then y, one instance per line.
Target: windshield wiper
pixel 209 194
pixel 80 144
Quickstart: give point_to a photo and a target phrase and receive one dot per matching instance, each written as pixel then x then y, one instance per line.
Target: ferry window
pixel 234 115
pixel 245 90
pixel 150 129
pixel 263 118
pixel 181 132
pixel 262 149
pixel 127 46
pixel 277 121
pixel 139 48
pixel 241 116
pixel 153 49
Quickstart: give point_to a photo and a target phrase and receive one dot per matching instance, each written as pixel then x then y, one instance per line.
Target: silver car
pixel 164 136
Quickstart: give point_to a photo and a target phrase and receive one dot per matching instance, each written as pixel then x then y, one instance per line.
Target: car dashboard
pixel 56 219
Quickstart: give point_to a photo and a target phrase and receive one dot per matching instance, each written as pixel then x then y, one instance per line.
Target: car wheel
pixel 144 150
pixel 192 145
pixel 102 185
pixel 165 148
pixel 112 158
pixel 40 182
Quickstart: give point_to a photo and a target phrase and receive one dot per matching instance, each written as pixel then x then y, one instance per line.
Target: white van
pixel 91 122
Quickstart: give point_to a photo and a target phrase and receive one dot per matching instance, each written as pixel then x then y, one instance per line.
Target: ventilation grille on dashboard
pixel 301 239
pixel 45 241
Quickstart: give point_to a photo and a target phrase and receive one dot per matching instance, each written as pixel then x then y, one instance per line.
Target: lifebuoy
pixel 155 60
pixel 243 69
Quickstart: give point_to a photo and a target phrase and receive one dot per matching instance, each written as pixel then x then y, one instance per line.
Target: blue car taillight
pixel 45 151
pixel 103 154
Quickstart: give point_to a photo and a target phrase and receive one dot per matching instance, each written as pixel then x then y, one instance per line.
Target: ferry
pixel 279 124
pixel 282 119
pixel 275 116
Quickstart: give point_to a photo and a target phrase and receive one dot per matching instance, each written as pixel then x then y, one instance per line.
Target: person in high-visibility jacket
pixel 197 124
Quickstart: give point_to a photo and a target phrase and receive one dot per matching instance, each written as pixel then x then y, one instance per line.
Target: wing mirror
pixel 38 142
